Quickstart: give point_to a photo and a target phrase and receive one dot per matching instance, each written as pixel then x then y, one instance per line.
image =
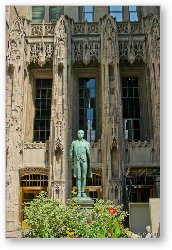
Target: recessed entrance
pixel 30 187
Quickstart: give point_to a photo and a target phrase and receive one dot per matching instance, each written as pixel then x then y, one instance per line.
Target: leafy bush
pixel 48 218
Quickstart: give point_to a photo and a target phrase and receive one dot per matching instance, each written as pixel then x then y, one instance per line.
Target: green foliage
pixel 48 218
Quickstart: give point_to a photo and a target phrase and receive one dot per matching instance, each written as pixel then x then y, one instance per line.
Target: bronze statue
pixel 80 153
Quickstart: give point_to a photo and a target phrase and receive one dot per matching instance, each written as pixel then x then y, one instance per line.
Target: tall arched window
pixel 87 107
pixel 131 108
pixel 42 109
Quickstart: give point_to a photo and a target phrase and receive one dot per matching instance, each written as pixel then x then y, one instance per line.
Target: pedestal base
pixel 85 202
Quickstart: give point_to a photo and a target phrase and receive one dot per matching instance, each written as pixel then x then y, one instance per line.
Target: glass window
pixel 34 180
pixel 86 13
pixel 87 107
pixel 133 14
pixel 42 109
pixel 131 109
pixel 95 181
pixel 116 12
pixel 132 8
pixel 132 129
pixel 55 12
pixel 38 14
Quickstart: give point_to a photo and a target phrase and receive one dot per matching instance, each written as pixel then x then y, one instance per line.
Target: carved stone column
pixel 60 123
pixel 152 29
pixel 16 73
pixel 111 110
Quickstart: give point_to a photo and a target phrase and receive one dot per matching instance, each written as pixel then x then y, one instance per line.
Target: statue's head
pixel 80 134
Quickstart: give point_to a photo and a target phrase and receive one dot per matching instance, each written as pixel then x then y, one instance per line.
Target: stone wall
pixel 16 75
pixel 152 30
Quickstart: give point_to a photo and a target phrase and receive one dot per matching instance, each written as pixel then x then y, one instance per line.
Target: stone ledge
pixel 12 234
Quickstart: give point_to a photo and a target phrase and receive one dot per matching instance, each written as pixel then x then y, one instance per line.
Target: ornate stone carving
pixel 132 50
pixel 96 144
pixel 36 30
pixel 109 38
pixel 122 28
pixel 16 61
pixel 139 144
pixel 16 40
pixel 38 170
pixel 57 119
pixel 152 29
pixel 139 50
pixel 58 144
pixel 114 142
pixel 49 29
pixel 123 50
pixel 60 31
pixel 133 28
pixel 59 111
pixel 150 22
pixel 86 28
pixel 41 53
pixel 136 28
pixel 86 52
pixel 34 145
pixel 155 36
pixel 79 28
pixel 94 50
pixel 42 29
pixel 92 28
pixel 97 170
pixel 78 52
pixel 58 188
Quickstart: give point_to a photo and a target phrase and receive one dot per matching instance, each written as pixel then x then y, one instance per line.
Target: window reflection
pixel 133 14
pixel 131 109
pixel 38 13
pixel 116 12
pixel 86 13
pixel 87 109
pixel 55 12
pixel 42 109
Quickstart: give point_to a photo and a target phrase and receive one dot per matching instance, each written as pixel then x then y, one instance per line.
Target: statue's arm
pixel 71 152
pixel 88 150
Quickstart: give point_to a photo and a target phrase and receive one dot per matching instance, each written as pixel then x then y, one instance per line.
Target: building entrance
pixel 30 187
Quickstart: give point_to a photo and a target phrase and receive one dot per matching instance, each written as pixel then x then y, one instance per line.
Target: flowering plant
pixel 48 218
pixel 112 211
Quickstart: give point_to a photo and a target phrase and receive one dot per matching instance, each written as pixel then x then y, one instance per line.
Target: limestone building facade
pixel 95 68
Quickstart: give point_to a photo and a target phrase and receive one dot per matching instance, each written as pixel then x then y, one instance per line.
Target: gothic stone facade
pixel 66 54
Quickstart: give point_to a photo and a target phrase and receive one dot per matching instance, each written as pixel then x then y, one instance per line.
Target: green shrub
pixel 48 218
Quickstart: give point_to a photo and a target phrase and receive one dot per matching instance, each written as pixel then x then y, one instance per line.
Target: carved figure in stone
pixel 80 154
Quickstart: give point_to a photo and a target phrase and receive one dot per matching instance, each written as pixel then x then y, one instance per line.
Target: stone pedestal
pixel 85 202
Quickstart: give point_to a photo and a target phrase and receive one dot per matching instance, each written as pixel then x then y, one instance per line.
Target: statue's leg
pixel 78 179
pixel 83 178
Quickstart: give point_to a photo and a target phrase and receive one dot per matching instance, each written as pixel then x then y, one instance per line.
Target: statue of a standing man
pixel 80 153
